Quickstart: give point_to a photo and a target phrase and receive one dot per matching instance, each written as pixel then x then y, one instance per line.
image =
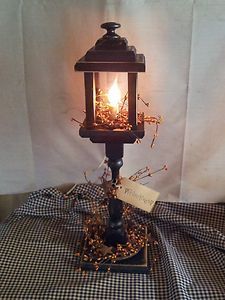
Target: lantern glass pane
pixel 105 80
pixel 111 102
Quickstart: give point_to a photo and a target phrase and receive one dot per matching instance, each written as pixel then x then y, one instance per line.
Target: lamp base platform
pixel 134 264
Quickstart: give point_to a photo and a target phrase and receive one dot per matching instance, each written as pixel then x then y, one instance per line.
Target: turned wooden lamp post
pixel 112 54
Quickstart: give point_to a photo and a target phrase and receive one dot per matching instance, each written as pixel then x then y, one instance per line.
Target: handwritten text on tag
pixel 136 194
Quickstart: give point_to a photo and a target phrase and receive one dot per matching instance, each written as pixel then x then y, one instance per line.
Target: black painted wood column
pixel 115 232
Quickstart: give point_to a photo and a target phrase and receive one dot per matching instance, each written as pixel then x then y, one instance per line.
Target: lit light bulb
pixel 114 96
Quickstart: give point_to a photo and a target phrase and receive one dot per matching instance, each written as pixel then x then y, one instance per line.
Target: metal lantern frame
pixel 111 53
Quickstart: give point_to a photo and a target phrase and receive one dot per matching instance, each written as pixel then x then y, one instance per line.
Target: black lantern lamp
pixel 112 54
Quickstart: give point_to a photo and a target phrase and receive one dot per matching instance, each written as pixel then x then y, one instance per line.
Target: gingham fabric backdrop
pixel 39 241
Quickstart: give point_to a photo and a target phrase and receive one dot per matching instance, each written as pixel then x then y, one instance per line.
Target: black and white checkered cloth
pixel 38 242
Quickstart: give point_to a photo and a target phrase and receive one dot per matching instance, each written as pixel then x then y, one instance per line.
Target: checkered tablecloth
pixel 39 240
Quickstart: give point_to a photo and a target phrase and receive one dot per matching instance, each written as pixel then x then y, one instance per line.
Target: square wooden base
pixel 135 264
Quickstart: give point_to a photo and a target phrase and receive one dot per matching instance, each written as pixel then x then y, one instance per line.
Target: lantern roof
pixel 111 53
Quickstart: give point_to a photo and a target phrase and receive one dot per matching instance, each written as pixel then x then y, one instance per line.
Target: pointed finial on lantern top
pixel 111 27
pixel 111 40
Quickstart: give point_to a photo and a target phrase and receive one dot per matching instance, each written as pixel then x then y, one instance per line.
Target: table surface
pixel 38 242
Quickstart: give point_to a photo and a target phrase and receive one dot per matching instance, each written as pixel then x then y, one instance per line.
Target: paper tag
pixel 136 194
